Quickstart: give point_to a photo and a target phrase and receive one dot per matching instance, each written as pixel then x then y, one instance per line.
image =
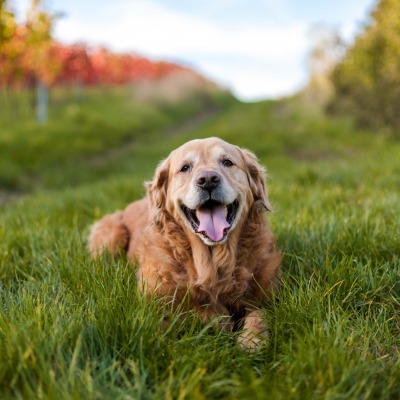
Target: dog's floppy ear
pixel 157 188
pixel 256 177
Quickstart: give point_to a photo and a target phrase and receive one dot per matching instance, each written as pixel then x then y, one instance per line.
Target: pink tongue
pixel 213 222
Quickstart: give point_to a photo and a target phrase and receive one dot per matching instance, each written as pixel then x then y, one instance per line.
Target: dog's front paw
pixel 254 332
pixel 250 341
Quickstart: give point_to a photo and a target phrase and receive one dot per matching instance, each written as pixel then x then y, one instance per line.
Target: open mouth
pixel 212 219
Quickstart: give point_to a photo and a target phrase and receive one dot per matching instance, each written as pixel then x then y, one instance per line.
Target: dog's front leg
pixel 254 331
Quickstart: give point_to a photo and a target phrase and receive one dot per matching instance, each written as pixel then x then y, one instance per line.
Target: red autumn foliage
pixel 81 64
pixel 29 54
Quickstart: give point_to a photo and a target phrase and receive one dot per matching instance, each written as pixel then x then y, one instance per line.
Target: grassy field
pixel 75 328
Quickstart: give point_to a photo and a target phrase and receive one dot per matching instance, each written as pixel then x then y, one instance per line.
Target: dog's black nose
pixel 208 180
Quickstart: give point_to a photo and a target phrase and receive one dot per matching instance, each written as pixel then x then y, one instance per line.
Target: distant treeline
pixel 80 63
pixel 29 55
pixel 367 80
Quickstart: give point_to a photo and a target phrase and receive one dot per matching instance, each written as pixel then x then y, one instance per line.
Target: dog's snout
pixel 208 180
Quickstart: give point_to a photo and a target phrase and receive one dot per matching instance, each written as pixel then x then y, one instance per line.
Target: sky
pixel 256 48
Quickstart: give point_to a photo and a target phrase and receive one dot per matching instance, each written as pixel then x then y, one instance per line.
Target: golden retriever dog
pixel 200 233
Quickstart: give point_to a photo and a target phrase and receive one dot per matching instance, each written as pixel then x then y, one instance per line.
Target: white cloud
pixel 255 82
pixel 252 60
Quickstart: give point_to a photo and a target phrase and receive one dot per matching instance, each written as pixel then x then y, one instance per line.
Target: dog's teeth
pixel 226 211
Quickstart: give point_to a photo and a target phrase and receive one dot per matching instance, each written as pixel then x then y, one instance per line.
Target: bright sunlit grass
pixel 71 327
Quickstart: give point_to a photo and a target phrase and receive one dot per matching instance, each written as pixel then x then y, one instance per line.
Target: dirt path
pixel 8 196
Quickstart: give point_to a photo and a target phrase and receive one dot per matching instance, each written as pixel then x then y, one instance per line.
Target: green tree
pixel 25 52
pixel 7 23
pixel 367 80
pixel 38 56
pixel 11 45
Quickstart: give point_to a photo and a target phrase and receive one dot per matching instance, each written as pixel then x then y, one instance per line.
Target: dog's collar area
pixel 212 219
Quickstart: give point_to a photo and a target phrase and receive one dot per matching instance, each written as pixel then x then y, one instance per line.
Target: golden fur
pixel 227 278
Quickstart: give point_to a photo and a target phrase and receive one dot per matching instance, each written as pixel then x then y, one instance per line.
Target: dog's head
pixel 208 186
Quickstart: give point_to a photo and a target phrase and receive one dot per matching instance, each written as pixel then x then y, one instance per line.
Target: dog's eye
pixel 185 168
pixel 227 163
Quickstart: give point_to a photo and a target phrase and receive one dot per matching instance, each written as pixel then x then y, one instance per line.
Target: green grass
pixel 70 149
pixel 71 327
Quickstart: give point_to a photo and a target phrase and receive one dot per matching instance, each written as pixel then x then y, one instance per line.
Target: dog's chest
pixel 225 288
pixel 215 276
